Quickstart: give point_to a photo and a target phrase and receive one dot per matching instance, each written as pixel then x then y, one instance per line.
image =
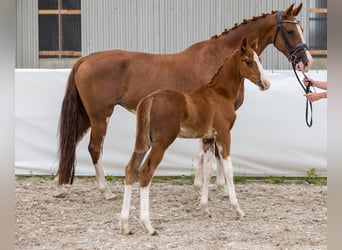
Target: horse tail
pixel 73 124
pixel 143 136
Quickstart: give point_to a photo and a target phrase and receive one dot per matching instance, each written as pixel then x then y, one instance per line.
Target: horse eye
pixel 249 62
pixel 290 32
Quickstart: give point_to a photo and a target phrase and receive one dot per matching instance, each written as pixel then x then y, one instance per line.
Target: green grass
pixel 311 178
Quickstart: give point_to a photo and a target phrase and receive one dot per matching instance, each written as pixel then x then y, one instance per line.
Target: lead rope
pixel 308 105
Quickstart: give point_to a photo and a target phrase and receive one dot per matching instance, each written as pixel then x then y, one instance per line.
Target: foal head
pixel 250 65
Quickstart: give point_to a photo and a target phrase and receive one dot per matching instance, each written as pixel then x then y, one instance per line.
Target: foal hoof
pixel 155 233
pixel 109 196
pixel 240 214
pixel 61 194
pixel 206 211
pixel 126 233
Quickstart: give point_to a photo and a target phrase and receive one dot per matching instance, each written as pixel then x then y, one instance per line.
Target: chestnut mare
pixel 100 81
pixel 207 112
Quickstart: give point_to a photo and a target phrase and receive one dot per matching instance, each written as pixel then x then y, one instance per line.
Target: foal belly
pixel 189 133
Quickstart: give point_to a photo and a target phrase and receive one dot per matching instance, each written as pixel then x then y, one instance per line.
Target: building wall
pixel 169 26
pixel 27 51
pixel 156 26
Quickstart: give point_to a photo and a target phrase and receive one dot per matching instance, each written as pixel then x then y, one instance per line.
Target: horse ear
pixel 288 11
pixel 244 43
pixel 297 10
pixel 254 44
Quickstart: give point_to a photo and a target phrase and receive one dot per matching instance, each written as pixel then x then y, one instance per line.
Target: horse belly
pixel 188 133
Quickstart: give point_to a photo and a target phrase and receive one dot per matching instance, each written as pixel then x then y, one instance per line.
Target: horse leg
pixel 131 172
pixel 220 179
pixel 198 182
pixel 146 174
pixel 228 174
pixel 98 132
pixel 208 148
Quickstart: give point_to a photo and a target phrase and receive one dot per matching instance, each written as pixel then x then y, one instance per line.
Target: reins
pixel 308 105
pixel 292 58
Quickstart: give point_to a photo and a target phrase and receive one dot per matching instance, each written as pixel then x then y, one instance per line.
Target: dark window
pixel 48 32
pixel 59 28
pixel 48 4
pixel 318 27
pixel 71 27
pixel 71 5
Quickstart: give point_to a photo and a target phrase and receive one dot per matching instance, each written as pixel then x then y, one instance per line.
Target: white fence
pixel 269 137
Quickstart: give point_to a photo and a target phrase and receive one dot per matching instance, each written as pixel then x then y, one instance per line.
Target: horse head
pixel 289 38
pixel 250 65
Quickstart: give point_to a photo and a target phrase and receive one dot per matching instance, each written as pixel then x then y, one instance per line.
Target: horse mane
pixel 245 21
pixel 224 62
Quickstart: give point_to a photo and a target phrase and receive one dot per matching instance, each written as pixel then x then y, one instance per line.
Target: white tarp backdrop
pixel 269 138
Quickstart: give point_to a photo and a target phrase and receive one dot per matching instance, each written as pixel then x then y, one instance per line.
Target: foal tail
pixel 73 123
pixel 143 136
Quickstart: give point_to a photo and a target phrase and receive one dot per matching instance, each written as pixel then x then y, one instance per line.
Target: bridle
pixel 293 58
pixel 292 52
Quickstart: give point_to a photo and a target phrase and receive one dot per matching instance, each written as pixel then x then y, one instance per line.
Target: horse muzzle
pixel 301 58
pixel 264 84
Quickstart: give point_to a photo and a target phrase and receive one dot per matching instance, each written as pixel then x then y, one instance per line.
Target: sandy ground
pixel 278 216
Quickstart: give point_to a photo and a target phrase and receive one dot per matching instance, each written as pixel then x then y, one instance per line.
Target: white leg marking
pixel 101 180
pixel 60 190
pixel 126 204
pixel 198 182
pixel 228 172
pixel 208 161
pixel 145 209
pixel 220 180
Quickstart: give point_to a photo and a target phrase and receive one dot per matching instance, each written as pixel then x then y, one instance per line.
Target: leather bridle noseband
pixel 293 59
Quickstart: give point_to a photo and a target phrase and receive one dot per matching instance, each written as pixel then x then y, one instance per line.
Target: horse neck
pixel 228 79
pixel 262 27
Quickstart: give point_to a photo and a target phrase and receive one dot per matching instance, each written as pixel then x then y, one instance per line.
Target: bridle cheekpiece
pixel 292 52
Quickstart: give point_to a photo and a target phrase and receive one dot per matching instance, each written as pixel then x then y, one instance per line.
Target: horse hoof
pixel 127 233
pixel 62 194
pixel 206 211
pixel 240 214
pixel 110 196
pixel 155 233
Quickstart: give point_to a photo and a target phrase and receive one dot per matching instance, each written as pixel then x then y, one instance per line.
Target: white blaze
pixel 300 66
pixel 264 79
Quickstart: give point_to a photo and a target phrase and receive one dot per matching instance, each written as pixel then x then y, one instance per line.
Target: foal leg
pixel 220 179
pixel 198 182
pixel 146 174
pixel 98 132
pixel 228 174
pixel 208 149
pixel 131 173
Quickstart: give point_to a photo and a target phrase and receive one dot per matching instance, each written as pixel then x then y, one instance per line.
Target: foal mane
pixel 224 62
pixel 245 21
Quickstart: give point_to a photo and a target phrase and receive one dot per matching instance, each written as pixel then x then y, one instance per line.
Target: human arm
pixel 315 83
pixel 316 96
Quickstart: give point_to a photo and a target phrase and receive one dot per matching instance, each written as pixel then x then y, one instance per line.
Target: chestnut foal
pixel 207 112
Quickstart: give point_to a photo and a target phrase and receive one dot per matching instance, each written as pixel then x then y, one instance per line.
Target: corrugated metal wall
pixel 156 26
pixel 168 26
pixel 27 52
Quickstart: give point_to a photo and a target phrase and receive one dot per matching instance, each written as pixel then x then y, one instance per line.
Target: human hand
pixel 316 96
pixel 308 81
